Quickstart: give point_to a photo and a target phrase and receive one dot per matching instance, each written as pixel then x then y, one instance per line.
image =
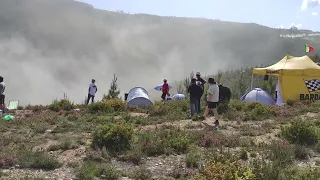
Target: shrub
pixel 291 102
pixel 236 105
pixel 35 108
pixel 134 156
pixel 100 107
pixel 176 108
pixel 301 132
pixel 142 174
pixel 227 170
pixel 165 140
pixel 63 104
pixel 8 162
pixel 92 170
pixel 38 160
pixel 301 152
pixel 281 153
pixel 114 137
pixel 209 141
pixel 223 107
pixel 258 110
pixel 317 147
pixel 193 157
pixel 116 104
pixel 244 155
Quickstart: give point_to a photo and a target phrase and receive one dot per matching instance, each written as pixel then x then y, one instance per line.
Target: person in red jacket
pixel 165 89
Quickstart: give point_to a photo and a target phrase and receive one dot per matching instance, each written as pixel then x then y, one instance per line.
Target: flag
pixel 312 85
pixel 308 48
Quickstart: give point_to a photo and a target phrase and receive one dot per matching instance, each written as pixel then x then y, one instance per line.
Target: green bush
pixel 236 105
pixel 63 104
pixel 257 110
pixel 38 160
pixel 291 102
pixel 165 140
pixel 281 153
pixel 239 110
pixel 92 170
pixel 171 107
pixel 116 104
pixel 141 174
pixel 301 152
pixel 100 107
pixel 301 132
pixel 193 157
pixel 114 137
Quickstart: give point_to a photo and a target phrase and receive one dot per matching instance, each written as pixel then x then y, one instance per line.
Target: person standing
pixel 202 82
pixel 2 94
pixel 165 89
pixel 92 91
pixel 212 100
pixel 195 92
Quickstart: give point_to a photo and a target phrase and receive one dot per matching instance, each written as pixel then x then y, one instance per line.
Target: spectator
pixel 92 91
pixel 224 93
pixel 2 94
pixel 165 90
pixel 212 100
pixel 201 82
pixel 195 91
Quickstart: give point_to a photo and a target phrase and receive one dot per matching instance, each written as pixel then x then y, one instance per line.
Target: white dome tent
pixel 138 96
pixel 258 95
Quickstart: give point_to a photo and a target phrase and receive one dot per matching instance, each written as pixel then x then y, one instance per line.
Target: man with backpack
pixel 224 93
pixel 201 82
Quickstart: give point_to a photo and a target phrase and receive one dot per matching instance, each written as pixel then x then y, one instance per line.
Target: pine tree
pixel 113 91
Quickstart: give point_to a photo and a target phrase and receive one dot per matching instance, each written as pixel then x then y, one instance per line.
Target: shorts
pixel 2 97
pixel 212 105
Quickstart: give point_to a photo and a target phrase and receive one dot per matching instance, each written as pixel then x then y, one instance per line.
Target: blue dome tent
pixel 178 96
pixel 138 96
pixel 258 95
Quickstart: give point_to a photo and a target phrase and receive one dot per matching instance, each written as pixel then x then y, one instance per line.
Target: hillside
pixel 108 140
pixel 48 48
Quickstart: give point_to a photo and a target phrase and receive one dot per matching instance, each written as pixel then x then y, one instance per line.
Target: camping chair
pixel 13 105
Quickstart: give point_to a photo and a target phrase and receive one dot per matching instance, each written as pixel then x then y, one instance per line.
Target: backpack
pixel 224 93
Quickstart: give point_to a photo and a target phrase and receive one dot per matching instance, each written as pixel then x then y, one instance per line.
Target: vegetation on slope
pixel 254 142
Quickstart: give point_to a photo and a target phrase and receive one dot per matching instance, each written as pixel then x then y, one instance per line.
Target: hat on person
pixel 211 80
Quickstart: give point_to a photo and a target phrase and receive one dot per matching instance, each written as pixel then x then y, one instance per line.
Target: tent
pixel 178 96
pixel 299 78
pixel 258 95
pixel 138 96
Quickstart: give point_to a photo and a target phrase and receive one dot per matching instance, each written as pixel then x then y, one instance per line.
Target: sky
pixel 303 14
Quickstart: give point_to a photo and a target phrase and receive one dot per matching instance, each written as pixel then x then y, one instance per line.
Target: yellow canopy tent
pixel 299 77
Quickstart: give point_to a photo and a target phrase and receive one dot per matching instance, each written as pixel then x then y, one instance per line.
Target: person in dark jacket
pixel 224 93
pixel 2 94
pixel 202 82
pixel 195 91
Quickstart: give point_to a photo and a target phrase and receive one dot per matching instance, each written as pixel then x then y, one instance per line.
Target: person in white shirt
pixel 212 100
pixel 92 91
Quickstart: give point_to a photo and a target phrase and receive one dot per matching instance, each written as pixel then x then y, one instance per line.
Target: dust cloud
pixel 48 48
